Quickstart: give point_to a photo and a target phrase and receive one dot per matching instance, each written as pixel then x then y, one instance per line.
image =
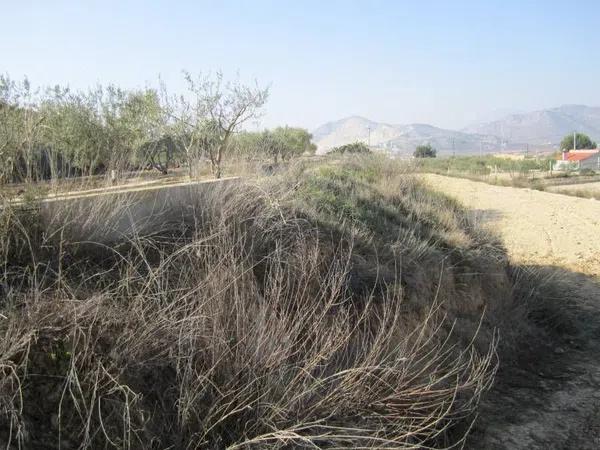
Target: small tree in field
pixel 425 151
pixel 218 110
pixel 582 142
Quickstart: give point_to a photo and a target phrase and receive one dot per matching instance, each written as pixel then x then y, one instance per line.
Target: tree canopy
pixel 425 151
pixel 56 132
pixel 355 147
pixel 582 142
pixel 280 143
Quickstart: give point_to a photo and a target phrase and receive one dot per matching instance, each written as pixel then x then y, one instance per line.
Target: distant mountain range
pixel 547 126
pixel 538 130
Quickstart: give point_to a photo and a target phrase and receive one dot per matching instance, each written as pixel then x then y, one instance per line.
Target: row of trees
pixel 57 132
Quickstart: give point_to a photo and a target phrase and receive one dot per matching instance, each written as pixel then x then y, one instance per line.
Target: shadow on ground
pixel 547 395
pixel 486 216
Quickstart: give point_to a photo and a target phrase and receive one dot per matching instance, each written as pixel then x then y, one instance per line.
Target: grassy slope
pixel 341 305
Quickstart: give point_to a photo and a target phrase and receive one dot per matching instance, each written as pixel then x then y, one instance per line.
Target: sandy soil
pixel 550 398
pixel 537 227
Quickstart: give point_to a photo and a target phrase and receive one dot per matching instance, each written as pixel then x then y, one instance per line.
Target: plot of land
pixel 551 400
pixel 537 227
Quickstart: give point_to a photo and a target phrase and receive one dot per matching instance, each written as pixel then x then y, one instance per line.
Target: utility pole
pixel 574 140
pixel 369 130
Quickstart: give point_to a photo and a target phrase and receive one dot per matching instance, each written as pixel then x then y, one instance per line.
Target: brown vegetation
pixel 336 306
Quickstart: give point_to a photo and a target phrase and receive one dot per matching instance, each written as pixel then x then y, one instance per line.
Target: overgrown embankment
pixel 337 306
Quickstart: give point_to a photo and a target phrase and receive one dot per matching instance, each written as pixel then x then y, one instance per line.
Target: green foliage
pixel 355 196
pixel 75 130
pixel 282 142
pixel 294 141
pixel 355 147
pixel 481 166
pixel 21 126
pixel 582 142
pixel 55 133
pixel 217 108
pixel 425 151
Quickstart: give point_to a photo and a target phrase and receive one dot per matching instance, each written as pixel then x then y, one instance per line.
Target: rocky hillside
pixel 400 138
pixel 541 129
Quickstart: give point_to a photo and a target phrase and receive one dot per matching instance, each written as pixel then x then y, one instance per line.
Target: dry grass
pixel 581 192
pixel 336 306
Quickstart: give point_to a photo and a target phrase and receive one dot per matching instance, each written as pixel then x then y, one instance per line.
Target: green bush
pixel 355 147
pixel 425 151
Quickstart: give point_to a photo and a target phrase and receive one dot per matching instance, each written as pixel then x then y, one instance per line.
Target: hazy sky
pixel 446 63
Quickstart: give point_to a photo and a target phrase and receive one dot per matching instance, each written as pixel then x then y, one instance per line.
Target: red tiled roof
pixel 579 156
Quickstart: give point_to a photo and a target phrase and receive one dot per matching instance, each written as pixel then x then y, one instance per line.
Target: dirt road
pixel 537 227
pixel 550 397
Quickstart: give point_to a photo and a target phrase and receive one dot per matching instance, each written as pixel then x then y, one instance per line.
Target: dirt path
pixel 550 397
pixel 537 227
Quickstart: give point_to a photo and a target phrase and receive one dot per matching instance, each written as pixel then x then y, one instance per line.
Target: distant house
pixel 578 160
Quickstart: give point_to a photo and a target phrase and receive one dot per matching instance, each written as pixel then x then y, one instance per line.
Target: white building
pixel 578 160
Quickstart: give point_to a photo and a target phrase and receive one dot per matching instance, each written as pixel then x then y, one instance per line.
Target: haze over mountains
pixel 537 130
pixel 545 126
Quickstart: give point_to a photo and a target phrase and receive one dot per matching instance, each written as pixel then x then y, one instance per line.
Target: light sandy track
pixel 152 185
pixel 551 399
pixel 537 227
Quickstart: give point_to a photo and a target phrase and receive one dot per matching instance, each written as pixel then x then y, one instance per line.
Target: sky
pixel 447 63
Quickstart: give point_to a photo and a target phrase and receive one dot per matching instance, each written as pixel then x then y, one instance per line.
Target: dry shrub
pixel 254 321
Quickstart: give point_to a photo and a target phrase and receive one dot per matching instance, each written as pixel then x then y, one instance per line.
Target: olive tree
pixel 9 127
pixel 216 110
pixel 294 142
pixel 282 142
pixel 149 134
pixel 20 128
pixel 74 132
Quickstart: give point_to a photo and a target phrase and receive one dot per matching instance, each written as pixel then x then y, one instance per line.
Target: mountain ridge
pixel 398 138
pixel 542 128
